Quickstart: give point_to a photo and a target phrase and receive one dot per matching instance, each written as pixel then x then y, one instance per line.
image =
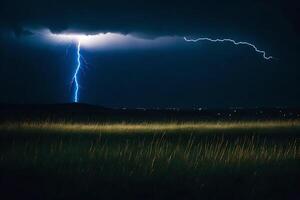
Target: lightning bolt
pixel 75 77
pixel 232 41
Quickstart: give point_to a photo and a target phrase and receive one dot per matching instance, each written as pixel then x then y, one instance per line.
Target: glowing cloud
pixel 107 40
pixel 87 40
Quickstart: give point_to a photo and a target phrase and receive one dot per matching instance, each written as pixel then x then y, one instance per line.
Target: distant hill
pixel 92 113
pixel 64 107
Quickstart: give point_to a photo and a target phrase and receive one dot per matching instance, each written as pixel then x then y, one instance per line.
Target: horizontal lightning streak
pixel 232 41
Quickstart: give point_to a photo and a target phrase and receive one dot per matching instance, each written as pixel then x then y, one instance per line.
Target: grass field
pixel 191 160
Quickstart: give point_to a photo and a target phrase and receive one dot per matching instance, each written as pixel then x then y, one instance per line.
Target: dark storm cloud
pixel 149 18
pixel 180 75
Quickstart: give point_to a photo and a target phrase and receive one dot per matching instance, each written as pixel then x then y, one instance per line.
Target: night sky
pixel 172 73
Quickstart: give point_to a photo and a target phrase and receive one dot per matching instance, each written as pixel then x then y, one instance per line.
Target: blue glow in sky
pixel 125 42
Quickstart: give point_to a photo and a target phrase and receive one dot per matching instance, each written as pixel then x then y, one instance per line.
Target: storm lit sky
pixel 135 55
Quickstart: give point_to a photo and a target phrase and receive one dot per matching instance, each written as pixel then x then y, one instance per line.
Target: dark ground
pixel 91 113
pixel 250 163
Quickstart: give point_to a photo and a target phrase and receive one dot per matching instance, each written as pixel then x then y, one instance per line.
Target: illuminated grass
pixel 150 127
pixel 172 142
pixel 180 156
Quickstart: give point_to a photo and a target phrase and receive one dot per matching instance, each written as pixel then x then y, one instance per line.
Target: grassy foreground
pixel 192 160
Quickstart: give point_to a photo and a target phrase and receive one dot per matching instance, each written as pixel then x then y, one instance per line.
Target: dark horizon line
pixel 152 108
